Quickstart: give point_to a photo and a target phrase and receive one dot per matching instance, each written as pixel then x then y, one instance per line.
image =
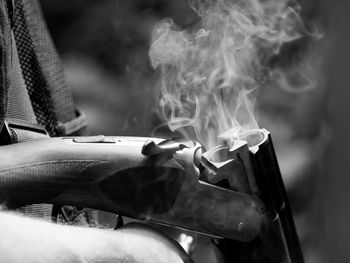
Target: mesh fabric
pixel 5 59
pixel 34 80
pixel 19 105
pixel 48 61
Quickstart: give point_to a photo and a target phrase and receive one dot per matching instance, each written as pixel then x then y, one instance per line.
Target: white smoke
pixel 211 72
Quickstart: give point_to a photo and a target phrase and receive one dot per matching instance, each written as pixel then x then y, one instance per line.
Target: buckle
pixel 8 135
pixel 73 126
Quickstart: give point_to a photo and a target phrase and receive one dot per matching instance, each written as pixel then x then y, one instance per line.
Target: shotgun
pixel 233 193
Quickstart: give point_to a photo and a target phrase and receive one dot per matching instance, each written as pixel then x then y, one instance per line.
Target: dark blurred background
pixel 104 45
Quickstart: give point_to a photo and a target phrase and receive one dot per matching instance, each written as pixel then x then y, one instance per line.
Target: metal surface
pixel 250 166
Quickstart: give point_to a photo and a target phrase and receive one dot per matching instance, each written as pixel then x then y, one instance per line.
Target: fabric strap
pixel 5 59
pixel 32 81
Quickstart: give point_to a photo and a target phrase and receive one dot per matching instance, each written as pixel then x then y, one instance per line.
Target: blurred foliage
pixel 115 33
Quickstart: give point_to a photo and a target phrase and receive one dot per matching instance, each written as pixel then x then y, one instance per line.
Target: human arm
pixel 28 240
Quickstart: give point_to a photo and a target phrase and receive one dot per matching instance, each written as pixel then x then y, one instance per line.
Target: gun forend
pixel 128 175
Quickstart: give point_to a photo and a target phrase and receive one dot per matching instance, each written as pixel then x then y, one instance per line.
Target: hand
pixel 145 234
pixel 28 240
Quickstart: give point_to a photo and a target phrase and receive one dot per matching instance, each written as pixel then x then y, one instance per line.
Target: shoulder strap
pixel 5 57
pixel 32 83
pixel 42 72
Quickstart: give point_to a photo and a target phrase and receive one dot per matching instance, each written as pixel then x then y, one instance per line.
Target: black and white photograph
pixel 174 131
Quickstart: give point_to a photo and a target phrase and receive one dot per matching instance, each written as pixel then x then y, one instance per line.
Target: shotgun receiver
pixel 231 193
pixel 250 166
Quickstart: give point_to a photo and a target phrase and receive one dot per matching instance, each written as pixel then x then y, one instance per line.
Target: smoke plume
pixel 211 72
